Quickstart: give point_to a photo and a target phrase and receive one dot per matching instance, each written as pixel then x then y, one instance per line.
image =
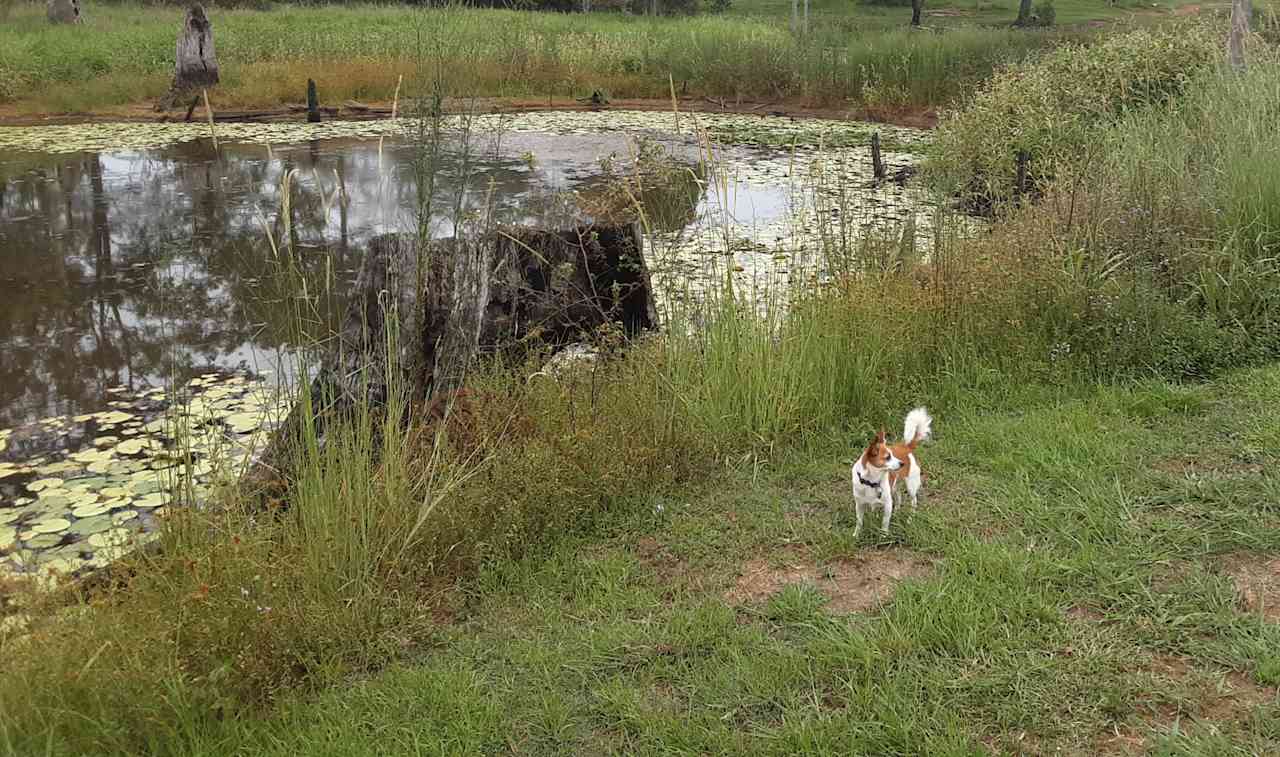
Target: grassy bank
pixel 654 553
pixel 1075 579
pixel 123 54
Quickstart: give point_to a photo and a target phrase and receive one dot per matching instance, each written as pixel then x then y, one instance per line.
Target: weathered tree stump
pixel 1024 14
pixel 1241 12
pixel 195 61
pixel 64 12
pixel 506 292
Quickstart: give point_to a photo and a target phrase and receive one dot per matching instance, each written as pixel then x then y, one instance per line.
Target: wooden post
pixel 917 6
pixel 1241 10
pixel 63 12
pixel 877 164
pixel 313 102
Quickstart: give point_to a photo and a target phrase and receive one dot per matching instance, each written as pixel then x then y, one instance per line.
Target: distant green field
pixel 952 12
pixel 854 55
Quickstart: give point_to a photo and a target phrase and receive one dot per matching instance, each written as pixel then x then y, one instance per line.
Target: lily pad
pixel 131 446
pixel 51 526
pixel 113 418
pixel 56 502
pixel 242 423
pixel 8 537
pixel 148 485
pixel 150 501
pixel 90 510
pixel 86 527
pixel 124 516
pixel 43 541
pixel 91 455
pixel 44 483
pixel 116 537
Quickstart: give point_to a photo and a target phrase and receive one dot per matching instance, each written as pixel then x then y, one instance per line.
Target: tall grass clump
pixel 1157 257
pixel 1184 204
pixel 1051 108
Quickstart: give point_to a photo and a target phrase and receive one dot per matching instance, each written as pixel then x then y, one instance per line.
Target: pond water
pixel 138 257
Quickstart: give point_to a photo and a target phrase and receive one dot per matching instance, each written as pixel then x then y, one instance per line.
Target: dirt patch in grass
pixel 1206 466
pixel 1083 614
pixel 852 585
pixel 1197 695
pixel 1237 697
pixel 671 571
pixel 1257 581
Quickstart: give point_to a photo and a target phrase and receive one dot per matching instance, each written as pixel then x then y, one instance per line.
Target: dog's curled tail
pixel 917 427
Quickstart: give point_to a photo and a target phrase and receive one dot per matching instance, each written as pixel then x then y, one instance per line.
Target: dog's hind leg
pixel 913 482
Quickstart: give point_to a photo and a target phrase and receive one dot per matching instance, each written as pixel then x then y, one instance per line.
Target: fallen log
pixel 456 300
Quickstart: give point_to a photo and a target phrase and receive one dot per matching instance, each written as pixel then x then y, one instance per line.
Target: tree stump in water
pixel 506 292
pixel 64 12
pixel 196 63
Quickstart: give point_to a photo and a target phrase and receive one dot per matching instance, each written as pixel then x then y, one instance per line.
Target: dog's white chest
pixel 868 495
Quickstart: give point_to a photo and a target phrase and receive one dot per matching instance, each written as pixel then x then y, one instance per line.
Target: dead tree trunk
pixel 63 12
pixel 419 321
pixel 1241 10
pixel 196 63
pixel 1024 13
pixel 917 6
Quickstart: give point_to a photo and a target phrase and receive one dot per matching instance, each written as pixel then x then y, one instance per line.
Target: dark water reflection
pixel 137 268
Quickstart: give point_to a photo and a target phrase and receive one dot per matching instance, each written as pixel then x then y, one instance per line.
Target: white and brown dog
pixel 877 472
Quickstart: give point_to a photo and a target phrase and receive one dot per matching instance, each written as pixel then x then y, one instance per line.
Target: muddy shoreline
pixel 373 110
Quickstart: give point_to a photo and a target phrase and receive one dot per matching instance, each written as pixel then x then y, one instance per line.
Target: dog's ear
pixel 880 436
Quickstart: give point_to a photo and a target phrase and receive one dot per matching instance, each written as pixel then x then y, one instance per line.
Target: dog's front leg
pixel 887 499
pixel 859 508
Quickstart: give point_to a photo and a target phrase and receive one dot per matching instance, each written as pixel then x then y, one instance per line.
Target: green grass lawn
pixel 1067 584
pixel 857 54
